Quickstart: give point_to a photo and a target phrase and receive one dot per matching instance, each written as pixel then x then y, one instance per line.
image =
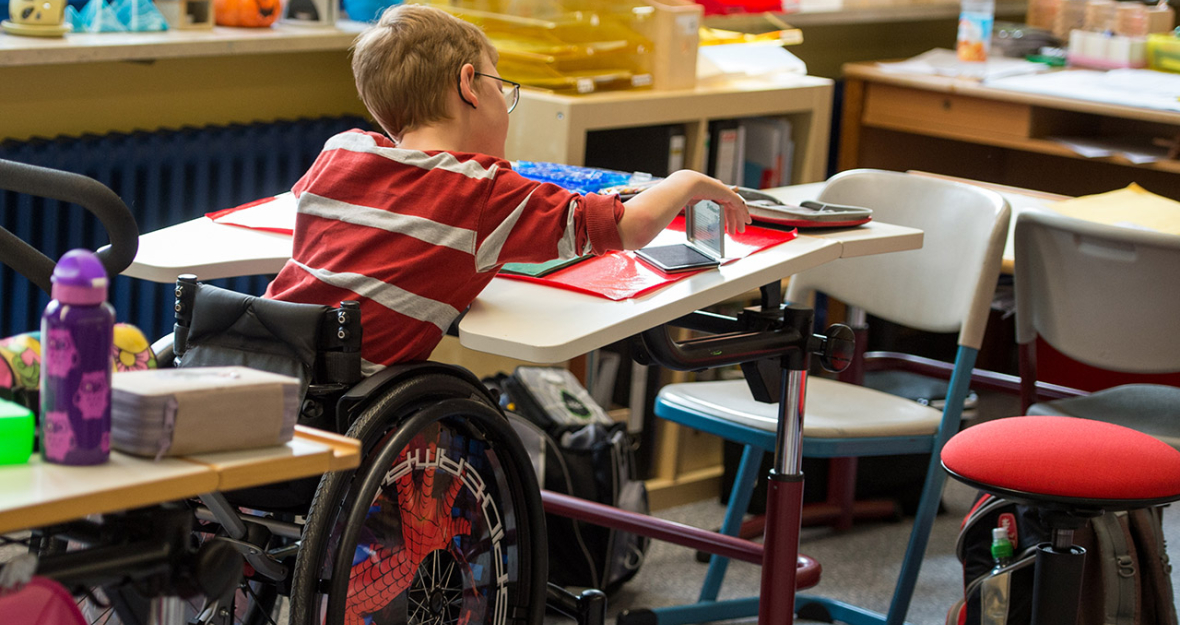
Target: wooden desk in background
pixel 962 128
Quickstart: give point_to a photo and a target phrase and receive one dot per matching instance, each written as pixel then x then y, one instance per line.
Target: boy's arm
pixel 652 210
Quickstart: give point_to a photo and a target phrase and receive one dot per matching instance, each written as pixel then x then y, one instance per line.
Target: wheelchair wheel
pixel 441 524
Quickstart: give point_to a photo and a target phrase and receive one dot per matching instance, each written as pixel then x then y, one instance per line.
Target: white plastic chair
pixel 946 286
pixel 1108 297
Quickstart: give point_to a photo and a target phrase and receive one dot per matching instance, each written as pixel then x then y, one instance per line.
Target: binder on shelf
pixel 676 145
pixel 739 156
pixel 723 150
pixel 769 152
pixel 656 150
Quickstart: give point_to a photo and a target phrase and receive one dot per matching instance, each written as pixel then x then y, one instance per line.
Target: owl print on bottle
pixel 59 436
pixel 92 396
pixel 60 342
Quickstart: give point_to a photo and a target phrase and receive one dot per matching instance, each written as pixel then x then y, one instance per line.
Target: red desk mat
pixel 269 214
pixel 620 275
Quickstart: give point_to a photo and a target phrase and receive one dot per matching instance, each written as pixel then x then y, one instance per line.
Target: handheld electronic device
pixel 766 208
pixel 705 246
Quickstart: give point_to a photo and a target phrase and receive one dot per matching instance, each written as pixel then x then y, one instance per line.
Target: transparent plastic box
pixel 582 46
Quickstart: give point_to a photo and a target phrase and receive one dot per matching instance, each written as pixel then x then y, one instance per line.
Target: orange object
pixel 252 13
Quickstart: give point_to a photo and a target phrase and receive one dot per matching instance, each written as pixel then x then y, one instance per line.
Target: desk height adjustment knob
pixel 835 348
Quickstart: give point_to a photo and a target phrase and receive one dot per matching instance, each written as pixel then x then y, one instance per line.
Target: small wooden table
pixel 38 493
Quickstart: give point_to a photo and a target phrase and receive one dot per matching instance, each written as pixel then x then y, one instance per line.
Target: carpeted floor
pixel 860 566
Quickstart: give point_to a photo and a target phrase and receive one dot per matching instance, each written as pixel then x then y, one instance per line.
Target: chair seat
pixel 1150 408
pixel 831 409
pixel 1066 460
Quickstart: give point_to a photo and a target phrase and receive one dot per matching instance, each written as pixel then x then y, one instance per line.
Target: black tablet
pixel 705 246
pixel 676 258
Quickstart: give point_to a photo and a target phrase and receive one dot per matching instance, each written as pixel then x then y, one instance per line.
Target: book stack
pixel 175 412
pixel 756 152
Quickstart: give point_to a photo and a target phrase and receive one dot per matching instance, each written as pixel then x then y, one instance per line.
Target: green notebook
pixel 537 270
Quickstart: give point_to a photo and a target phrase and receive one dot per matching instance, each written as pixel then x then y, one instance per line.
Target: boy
pixel 416 227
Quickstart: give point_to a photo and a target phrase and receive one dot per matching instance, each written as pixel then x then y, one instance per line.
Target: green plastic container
pixel 16 433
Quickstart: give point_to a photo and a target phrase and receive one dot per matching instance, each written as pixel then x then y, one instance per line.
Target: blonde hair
pixel 406 63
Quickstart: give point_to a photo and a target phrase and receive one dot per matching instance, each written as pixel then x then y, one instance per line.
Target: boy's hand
pixel 650 212
pixel 737 214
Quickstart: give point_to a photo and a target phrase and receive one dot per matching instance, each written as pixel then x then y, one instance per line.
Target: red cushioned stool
pixel 1071 470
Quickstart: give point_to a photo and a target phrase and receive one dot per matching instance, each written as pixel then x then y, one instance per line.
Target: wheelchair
pixel 441 522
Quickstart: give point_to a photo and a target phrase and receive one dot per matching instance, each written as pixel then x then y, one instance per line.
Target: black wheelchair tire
pixel 395 417
pixel 377 416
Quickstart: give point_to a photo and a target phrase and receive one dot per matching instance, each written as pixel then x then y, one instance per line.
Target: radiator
pixel 165 177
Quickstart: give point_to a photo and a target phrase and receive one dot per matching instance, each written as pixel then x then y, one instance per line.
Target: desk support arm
pixel 774 351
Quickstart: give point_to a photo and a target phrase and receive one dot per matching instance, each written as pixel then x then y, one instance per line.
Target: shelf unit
pixel 552 128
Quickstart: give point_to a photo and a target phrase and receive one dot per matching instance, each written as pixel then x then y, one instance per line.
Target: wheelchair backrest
pixel 320 345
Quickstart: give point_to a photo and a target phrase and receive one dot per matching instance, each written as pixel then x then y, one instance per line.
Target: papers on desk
pixel 1142 88
pixel 1138 150
pixel 943 62
pixel 1132 207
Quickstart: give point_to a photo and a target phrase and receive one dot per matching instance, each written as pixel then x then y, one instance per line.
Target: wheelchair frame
pixel 773 347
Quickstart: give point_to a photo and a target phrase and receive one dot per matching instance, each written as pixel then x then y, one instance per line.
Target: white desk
pixel 519 319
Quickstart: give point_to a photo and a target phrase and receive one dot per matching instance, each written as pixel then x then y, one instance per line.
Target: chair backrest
pixel 948 284
pixel 1106 296
pixel 217 327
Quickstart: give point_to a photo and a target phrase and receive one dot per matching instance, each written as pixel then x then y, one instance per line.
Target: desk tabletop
pixel 38 493
pixel 208 249
pixel 542 324
pixel 522 320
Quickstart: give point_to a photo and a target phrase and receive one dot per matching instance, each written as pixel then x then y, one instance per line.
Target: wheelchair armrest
pixel 350 405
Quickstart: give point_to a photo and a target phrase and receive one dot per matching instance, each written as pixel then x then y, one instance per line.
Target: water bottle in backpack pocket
pixel 1126 580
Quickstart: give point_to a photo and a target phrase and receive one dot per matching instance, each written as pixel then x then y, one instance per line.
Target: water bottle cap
pixel 79 278
pixel 1001 544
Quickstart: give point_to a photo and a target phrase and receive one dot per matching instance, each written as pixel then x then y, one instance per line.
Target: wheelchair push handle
pixel 86 192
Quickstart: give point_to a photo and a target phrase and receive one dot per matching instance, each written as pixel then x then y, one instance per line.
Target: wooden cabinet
pixel 962 128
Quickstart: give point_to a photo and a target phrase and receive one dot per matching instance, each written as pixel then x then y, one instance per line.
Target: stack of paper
pixel 173 412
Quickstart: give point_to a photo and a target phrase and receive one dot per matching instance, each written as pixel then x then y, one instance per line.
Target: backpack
pixel 577 450
pixel 1126 579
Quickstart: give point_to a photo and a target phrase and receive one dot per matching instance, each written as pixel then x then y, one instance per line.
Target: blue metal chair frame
pixel 756 441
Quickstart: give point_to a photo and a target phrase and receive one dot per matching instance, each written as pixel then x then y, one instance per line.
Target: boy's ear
pixel 467 85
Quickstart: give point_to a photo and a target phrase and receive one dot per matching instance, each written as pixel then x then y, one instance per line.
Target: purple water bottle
pixel 77 330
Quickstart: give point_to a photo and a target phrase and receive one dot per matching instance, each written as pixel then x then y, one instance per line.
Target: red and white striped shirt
pixel 415 236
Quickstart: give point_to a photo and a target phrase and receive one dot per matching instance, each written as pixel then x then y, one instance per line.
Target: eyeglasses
pixel 508 88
